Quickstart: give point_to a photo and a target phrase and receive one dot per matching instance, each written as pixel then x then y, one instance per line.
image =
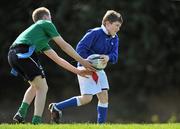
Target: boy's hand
pixel 105 59
pixel 84 73
pixel 87 65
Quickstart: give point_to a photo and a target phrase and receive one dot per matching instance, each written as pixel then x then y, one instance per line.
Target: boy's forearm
pixel 63 63
pixel 67 48
pixel 113 58
pixel 71 52
pixel 60 61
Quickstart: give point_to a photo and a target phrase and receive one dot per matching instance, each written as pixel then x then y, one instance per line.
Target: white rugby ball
pixel 96 61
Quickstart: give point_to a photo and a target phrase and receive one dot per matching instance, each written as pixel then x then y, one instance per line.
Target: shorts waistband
pixel 19 46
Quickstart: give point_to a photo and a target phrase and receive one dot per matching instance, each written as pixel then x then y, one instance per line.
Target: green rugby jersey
pixel 38 34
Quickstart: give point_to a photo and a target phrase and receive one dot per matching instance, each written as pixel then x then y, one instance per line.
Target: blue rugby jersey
pixel 96 41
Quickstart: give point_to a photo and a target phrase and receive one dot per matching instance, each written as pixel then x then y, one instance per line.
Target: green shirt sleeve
pixel 47 47
pixel 50 29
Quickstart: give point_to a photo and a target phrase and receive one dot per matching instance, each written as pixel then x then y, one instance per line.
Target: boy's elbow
pixel 113 60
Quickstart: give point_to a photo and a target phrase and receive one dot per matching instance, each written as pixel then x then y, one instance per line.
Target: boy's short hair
pixel 112 16
pixel 39 13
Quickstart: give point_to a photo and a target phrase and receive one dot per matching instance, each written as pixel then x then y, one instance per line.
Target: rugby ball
pixel 96 61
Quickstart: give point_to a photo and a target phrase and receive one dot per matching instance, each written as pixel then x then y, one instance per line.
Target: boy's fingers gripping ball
pixel 97 61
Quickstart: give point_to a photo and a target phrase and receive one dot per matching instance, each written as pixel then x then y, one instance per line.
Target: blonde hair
pixel 39 13
pixel 112 16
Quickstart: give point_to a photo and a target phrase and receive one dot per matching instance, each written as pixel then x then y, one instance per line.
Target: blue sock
pixel 72 102
pixel 102 113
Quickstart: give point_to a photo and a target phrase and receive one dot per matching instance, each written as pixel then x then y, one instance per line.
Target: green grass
pixel 90 126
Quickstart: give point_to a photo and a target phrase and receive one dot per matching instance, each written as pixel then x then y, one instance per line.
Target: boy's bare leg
pixel 102 106
pixel 40 98
pixel 29 95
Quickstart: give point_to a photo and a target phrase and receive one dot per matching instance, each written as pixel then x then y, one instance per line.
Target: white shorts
pixel 89 86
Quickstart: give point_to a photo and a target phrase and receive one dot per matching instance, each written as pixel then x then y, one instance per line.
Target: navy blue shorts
pixel 29 67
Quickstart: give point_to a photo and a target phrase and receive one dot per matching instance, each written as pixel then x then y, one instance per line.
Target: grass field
pixel 90 126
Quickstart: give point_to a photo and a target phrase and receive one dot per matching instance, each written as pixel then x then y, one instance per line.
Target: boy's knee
pixel 86 99
pixel 103 97
pixel 40 84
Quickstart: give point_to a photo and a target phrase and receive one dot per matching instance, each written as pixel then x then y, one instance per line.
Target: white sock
pixel 102 104
pixel 78 101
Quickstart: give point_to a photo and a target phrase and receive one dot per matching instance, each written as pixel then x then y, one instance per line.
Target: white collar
pixel 105 30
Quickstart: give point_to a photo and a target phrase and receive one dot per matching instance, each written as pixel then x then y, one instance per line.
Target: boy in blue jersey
pixel 104 41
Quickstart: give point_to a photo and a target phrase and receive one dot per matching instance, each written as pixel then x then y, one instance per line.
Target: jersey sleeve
pixel 84 46
pixel 47 47
pixel 113 56
pixel 50 29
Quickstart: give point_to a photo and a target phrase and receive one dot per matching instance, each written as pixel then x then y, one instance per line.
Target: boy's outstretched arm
pixel 71 52
pixel 63 63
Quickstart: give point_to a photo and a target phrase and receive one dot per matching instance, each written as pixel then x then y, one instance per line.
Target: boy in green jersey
pixel 23 58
